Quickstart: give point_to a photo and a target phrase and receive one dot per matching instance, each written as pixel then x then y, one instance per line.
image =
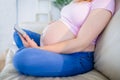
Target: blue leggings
pixel 38 62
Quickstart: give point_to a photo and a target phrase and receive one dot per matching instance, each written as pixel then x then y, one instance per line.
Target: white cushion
pixel 107 53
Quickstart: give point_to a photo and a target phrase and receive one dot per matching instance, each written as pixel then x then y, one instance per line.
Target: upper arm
pixel 96 21
pixel 93 26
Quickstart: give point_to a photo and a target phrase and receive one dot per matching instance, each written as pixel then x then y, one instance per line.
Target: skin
pixel 81 0
pixel 91 26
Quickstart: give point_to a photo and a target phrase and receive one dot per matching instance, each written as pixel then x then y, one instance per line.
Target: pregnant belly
pixel 56 32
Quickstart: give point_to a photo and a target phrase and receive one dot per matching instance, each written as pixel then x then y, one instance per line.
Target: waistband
pixel 83 53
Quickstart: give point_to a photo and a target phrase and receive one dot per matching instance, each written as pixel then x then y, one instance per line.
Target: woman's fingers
pixel 33 44
pixel 27 37
pixel 27 41
pixel 22 38
pixel 30 41
pixel 24 41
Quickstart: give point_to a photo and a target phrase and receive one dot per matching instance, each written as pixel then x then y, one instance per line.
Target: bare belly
pixel 57 32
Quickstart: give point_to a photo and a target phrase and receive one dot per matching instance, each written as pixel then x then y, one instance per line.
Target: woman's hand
pixel 27 41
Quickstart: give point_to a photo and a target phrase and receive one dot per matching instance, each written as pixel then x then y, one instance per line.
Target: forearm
pixel 68 46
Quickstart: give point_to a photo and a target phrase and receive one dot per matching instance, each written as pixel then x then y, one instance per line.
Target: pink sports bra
pixel 74 14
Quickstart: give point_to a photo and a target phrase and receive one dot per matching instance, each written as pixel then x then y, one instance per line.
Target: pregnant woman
pixel 66 47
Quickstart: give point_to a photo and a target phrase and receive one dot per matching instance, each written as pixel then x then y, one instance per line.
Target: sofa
pixel 107 56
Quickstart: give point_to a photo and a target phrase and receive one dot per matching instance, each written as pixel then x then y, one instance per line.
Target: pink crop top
pixel 74 14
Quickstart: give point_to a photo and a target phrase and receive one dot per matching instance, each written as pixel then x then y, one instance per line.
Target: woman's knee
pixel 36 54
pixel 37 61
pixel 22 59
pixel 29 55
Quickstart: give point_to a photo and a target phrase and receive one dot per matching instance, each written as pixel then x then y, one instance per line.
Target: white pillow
pixel 107 53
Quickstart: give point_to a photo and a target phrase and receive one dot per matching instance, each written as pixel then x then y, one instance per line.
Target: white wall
pixel 7 20
pixel 28 10
pixel 55 13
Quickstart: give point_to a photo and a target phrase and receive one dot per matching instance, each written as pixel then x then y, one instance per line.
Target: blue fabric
pixel 38 62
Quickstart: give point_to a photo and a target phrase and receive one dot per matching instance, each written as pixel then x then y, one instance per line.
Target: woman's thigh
pixel 32 35
pixel 37 62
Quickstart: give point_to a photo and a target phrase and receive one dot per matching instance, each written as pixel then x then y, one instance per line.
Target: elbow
pixel 82 45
